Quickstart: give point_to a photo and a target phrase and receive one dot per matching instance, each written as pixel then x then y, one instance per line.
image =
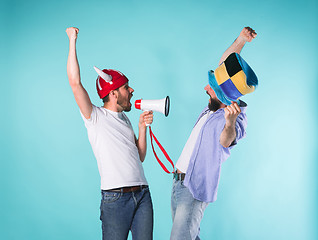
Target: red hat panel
pixel 104 87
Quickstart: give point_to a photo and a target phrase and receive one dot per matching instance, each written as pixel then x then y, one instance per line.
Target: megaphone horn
pixel 161 105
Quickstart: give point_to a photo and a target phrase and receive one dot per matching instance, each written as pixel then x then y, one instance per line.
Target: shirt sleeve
pixel 93 118
pixel 240 128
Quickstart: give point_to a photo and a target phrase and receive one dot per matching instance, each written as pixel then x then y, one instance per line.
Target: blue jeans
pixel 187 213
pixel 121 212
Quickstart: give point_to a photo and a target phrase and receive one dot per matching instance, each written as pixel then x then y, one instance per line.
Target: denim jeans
pixel 187 213
pixel 121 212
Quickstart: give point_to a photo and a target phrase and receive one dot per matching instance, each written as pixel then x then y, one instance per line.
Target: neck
pixel 112 107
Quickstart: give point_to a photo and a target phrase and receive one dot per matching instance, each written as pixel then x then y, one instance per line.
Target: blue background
pixel 49 176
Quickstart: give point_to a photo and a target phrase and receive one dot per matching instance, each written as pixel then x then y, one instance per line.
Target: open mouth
pixel 130 99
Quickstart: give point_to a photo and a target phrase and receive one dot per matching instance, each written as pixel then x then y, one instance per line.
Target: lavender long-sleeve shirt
pixel 203 173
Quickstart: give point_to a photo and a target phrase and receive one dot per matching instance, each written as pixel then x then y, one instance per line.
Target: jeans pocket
pixel 181 183
pixel 109 197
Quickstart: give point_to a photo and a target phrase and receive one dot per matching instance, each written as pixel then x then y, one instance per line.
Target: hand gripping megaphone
pixel 161 105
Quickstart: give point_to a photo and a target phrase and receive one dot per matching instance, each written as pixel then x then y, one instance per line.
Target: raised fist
pixel 146 118
pixel 72 32
pixel 248 34
pixel 231 113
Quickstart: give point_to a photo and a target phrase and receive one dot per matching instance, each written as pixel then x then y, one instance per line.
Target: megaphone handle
pixel 147 124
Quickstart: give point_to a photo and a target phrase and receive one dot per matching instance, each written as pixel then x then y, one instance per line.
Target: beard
pixel 214 104
pixel 124 103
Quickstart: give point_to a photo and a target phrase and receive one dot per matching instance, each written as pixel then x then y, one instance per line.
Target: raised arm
pixel 228 134
pixel 232 111
pixel 73 72
pixel 246 35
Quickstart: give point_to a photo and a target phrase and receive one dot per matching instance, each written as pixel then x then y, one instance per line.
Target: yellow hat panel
pixel 221 74
pixel 239 80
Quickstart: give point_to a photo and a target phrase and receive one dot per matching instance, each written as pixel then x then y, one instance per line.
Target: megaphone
pixel 161 105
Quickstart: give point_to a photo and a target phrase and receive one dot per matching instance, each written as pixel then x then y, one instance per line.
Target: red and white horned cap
pixel 104 76
pixel 108 80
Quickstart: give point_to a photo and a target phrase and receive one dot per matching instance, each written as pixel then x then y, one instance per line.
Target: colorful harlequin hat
pixel 108 80
pixel 232 79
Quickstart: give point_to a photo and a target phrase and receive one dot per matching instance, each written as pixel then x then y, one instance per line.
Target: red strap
pixel 163 151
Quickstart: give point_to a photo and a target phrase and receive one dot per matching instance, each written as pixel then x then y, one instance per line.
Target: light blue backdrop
pixel 49 176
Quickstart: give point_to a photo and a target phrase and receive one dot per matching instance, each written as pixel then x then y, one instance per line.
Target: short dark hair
pixel 106 98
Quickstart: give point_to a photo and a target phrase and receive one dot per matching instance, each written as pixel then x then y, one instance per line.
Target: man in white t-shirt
pixel 126 203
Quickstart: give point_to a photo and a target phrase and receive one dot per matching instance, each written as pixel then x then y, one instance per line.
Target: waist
pixel 127 189
pixel 178 176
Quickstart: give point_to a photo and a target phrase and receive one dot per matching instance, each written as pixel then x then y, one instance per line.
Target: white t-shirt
pixel 184 159
pixel 113 141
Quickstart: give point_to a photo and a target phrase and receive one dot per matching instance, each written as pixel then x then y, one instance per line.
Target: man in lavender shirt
pixel 218 128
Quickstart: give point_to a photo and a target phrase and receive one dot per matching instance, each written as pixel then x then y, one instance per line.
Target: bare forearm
pixel 236 46
pixel 228 135
pixel 246 35
pixel 142 143
pixel 145 119
pixel 73 71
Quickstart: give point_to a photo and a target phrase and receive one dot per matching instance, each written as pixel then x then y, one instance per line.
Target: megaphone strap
pixel 152 136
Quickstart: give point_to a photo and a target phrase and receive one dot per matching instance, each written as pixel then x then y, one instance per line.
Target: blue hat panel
pixel 230 90
pixel 214 85
pixel 251 78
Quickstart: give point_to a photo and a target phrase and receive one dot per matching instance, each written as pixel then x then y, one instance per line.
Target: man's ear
pixel 113 94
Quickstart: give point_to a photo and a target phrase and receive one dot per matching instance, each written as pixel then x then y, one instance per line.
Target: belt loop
pixel 175 176
pixel 178 176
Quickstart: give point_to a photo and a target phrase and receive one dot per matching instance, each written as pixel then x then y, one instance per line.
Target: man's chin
pixel 128 108
pixel 214 104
